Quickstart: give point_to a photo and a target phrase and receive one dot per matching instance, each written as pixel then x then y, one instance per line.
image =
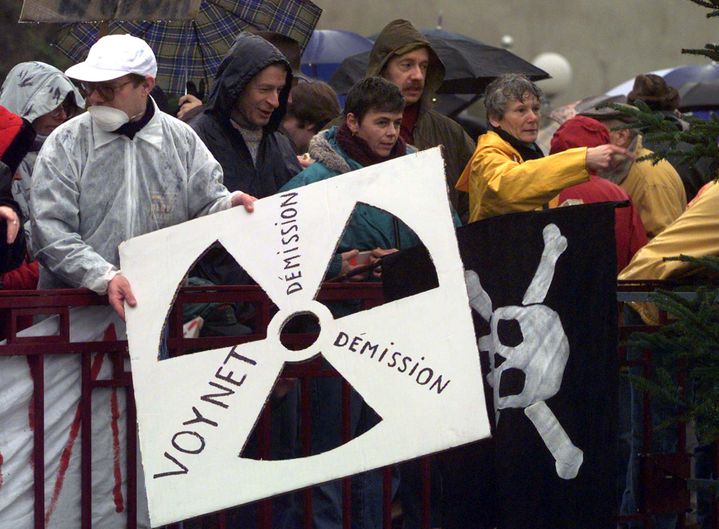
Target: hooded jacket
pixel 630 236
pixel 16 136
pixel 369 227
pixel 432 128
pixel 30 90
pixel 276 160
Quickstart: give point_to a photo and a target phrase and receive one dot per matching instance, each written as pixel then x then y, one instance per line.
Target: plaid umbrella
pixel 192 50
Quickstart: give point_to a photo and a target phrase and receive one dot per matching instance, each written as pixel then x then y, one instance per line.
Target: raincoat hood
pixel 32 89
pixel 579 131
pixel 400 37
pixel 248 56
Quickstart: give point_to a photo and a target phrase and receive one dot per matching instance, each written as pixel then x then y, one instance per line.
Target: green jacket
pixel 369 227
pixel 432 128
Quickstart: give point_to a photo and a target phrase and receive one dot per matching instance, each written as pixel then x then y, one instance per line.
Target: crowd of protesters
pixel 86 181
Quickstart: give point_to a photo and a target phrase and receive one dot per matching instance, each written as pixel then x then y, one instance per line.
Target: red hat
pixel 16 137
pixel 580 131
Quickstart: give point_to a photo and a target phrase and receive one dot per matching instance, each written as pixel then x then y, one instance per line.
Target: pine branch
pixel 708 50
pixel 709 4
pixel 689 342
pixel 687 146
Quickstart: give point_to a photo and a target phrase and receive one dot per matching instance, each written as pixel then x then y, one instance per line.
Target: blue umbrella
pixel 327 48
pixel 692 73
pixel 675 77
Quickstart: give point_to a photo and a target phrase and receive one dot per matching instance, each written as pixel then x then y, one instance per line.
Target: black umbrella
pixel 470 64
pixel 701 95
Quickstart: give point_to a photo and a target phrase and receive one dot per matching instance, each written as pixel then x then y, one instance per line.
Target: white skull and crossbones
pixel 541 356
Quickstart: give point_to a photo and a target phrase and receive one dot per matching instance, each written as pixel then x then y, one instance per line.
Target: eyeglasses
pixel 65 108
pixel 107 91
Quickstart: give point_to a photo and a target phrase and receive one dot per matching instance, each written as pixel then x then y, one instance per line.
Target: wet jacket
pixel 499 181
pixel 582 131
pixel 276 159
pixel 94 189
pixel 30 90
pixel 694 233
pixel 656 190
pixel 629 231
pixel 369 227
pixel 432 128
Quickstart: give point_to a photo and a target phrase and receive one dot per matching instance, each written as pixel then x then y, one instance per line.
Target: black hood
pixel 248 56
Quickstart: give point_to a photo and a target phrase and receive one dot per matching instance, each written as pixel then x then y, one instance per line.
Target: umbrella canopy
pixel 192 50
pixel 470 64
pixel 327 48
pixel 675 77
pixel 701 95
pixel 691 73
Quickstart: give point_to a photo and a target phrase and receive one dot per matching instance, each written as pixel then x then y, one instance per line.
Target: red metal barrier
pixel 16 305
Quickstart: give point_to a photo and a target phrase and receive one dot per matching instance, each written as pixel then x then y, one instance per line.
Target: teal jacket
pixel 369 227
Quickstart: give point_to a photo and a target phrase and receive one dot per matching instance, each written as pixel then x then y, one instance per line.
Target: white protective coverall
pixel 94 189
pixel 30 90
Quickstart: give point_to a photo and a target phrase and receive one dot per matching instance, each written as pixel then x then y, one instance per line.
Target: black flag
pixel 542 288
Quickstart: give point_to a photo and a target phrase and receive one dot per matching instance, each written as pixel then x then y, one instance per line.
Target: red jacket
pixel 582 131
pixel 24 277
pixel 628 228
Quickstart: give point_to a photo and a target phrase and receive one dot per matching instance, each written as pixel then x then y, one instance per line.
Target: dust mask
pixel 108 119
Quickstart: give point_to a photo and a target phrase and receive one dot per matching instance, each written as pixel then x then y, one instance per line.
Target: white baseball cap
pixel 114 56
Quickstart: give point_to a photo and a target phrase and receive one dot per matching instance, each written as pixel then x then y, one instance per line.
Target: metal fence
pixel 664 476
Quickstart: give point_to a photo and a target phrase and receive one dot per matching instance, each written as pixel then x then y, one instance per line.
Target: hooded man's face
pixel 408 72
pixel 260 98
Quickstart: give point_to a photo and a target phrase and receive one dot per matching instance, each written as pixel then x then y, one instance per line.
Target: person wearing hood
pixel 46 97
pixel 120 170
pixel 508 172
pixel 402 55
pixel 238 124
pixel 581 131
pixel 16 138
pixel 240 118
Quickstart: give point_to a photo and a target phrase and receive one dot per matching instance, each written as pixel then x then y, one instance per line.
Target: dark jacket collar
pixel 528 151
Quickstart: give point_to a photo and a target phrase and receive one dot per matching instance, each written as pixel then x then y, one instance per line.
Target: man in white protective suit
pixel 120 170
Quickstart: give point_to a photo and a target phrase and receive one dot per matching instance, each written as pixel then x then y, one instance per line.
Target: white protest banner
pixel 191 437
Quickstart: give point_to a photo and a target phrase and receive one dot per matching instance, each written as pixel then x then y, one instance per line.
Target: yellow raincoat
pixel 694 233
pixel 499 181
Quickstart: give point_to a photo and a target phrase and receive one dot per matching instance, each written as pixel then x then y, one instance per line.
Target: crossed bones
pixel 542 355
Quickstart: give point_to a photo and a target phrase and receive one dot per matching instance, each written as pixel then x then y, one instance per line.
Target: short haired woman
pixel 508 172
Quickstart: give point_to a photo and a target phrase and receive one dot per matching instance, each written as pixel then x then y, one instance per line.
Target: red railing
pixel 17 307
